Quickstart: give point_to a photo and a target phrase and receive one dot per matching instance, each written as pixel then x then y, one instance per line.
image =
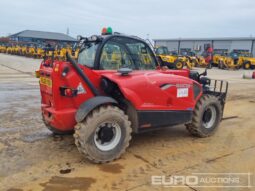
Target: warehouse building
pixel 197 44
pixel 31 36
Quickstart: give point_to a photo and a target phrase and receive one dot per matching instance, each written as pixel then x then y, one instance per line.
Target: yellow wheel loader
pixel 9 50
pixel 248 61
pixel 236 60
pixel 190 58
pixel 166 58
pixel 31 52
pixel 3 49
pixel 218 56
pixel 39 52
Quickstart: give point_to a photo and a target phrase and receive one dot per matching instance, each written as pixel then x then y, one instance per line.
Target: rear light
pixel 56 69
pixel 68 92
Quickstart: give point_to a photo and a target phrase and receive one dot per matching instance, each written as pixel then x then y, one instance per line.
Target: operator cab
pixel 162 50
pixel 115 51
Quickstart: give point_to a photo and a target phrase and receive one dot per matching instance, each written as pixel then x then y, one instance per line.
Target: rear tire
pixel 103 135
pixel 220 65
pixel 206 117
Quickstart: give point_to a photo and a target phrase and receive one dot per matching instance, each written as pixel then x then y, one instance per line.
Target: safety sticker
pixel 81 89
pixel 182 92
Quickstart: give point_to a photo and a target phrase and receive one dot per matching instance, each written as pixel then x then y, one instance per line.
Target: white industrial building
pixel 243 43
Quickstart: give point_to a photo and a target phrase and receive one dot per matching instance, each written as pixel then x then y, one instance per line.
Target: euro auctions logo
pixel 220 180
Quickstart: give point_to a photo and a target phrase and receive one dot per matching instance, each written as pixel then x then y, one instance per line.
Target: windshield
pixel 87 54
pixel 116 53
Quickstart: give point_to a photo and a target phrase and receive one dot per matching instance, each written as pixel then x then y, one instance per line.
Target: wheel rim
pixel 209 117
pixel 107 136
pixel 179 65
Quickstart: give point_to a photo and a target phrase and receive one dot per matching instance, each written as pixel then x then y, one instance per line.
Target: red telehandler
pixel 118 88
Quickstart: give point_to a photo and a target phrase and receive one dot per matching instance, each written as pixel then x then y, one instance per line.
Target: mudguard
pixel 90 104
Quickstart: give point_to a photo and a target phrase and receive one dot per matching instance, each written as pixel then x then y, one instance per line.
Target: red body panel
pixel 58 110
pixel 142 88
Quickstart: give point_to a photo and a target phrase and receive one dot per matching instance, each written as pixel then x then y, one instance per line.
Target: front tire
pixel 246 65
pixel 195 63
pixel 104 135
pixel 178 64
pixel 209 66
pixel 206 117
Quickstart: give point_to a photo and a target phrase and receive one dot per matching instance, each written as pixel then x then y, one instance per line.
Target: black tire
pixel 214 64
pixel 220 65
pixel 209 66
pixel 87 134
pixel 195 63
pixel 247 65
pixel 198 127
pixel 160 61
pixel 178 64
pixel 56 131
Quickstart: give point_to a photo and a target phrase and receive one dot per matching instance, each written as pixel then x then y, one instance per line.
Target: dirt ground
pixel 31 158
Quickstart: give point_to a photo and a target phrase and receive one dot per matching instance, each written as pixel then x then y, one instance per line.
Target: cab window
pixel 115 56
pixel 121 52
pixel 87 55
pixel 162 50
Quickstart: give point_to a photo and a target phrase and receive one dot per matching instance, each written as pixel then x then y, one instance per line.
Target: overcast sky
pixel 158 18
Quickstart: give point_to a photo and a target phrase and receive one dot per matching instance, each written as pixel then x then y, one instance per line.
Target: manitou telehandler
pixel 103 100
